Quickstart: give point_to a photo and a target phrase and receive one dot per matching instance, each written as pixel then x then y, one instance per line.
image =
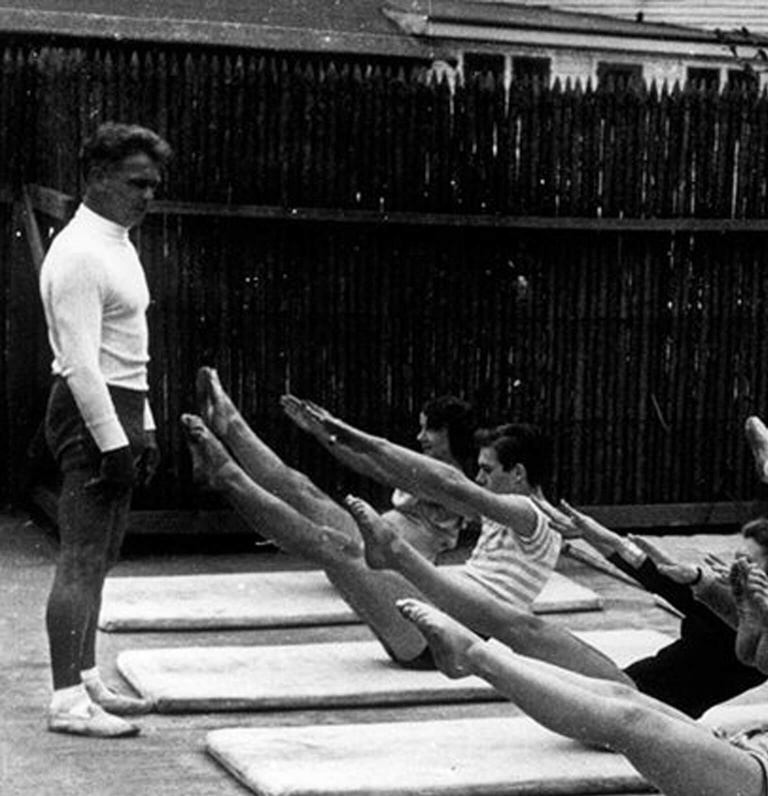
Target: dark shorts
pixel 92 524
pixel 68 438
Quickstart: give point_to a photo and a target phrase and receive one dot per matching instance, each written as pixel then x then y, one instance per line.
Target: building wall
pixel 582 65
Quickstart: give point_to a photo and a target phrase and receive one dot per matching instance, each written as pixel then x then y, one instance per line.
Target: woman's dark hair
pixel 458 419
pixel 520 443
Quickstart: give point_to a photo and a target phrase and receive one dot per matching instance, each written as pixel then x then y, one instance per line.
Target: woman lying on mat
pixel 515 554
pixel 705 665
pixel 668 748
pixel 446 434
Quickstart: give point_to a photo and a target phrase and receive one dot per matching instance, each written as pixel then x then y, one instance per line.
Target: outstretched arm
pixel 572 523
pixel 424 476
pixel 705 583
pixel 307 417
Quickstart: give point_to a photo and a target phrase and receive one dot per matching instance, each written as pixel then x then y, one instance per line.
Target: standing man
pixel 98 423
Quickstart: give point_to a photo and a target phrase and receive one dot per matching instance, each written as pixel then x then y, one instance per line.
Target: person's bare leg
pixel 371 594
pixel 750 592
pixel 757 437
pixel 756 594
pixel 260 462
pixel 750 627
pixel 668 748
pixel 473 606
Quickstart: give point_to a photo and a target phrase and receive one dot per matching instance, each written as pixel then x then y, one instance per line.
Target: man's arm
pixel 74 309
pixel 426 477
pixel 74 305
pixel 637 557
pixel 717 597
pixel 358 461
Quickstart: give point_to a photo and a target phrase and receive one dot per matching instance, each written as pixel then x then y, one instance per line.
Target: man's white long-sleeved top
pixel 95 298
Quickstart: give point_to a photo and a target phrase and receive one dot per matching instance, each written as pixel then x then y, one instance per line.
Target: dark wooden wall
pixel 349 231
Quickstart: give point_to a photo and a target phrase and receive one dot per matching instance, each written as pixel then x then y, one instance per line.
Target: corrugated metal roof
pixel 725 15
pixel 356 25
pixel 497 14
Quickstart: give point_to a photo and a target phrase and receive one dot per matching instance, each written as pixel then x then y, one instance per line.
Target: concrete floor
pixel 168 758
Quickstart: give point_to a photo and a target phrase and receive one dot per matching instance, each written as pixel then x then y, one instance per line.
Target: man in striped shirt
pixel 517 548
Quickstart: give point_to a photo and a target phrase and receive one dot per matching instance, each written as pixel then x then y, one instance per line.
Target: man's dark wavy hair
pixel 520 443
pixel 113 141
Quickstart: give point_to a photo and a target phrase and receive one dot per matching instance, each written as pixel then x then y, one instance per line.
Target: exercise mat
pixel 265 599
pixel 465 757
pixel 351 673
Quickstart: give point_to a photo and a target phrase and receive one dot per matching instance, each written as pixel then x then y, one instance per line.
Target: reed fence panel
pixel 638 348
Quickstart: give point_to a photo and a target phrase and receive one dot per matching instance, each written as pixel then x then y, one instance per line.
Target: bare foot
pixel 210 458
pixel 756 594
pixel 757 437
pixel 216 407
pixel 749 612
pixel 449 641
pixel 379 536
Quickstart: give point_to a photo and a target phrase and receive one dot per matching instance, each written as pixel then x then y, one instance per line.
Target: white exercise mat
pixel 266 599
pixel 340 674
pixel 464 757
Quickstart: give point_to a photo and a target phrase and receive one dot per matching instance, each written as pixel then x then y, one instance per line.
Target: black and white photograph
pixel 384 398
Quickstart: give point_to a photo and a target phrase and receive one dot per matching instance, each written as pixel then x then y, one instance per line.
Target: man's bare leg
pixel 668 748
pixel 372 595
pixel 260 462
pixel 470 604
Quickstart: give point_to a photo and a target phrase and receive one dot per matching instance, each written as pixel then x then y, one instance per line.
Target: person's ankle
pixel 70 699
pixel 94 685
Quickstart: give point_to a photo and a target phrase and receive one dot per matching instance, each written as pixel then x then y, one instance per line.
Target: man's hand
pixel 323 425
pixel 150 459
pixel 564 523
pixel 684 574
pixel 117 473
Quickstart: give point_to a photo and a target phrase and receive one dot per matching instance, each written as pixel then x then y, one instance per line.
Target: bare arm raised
pixel 416 473
pixel 306 416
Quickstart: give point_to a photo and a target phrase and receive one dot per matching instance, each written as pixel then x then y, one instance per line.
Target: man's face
pixel 492 476
pixel 122 192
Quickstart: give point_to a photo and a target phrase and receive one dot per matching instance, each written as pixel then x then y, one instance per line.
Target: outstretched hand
pixel 587 526
pixel 684 574
pixel 718 567
pixel 319 422
pixel 564 523
pixel 301 414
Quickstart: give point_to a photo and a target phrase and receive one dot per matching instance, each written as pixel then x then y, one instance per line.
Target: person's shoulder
pixel 70 248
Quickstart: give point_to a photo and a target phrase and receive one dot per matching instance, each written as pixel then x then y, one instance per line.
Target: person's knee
pixel 525 631
pixel 82 565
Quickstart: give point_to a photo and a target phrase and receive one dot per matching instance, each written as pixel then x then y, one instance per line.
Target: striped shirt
pixel 514 568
